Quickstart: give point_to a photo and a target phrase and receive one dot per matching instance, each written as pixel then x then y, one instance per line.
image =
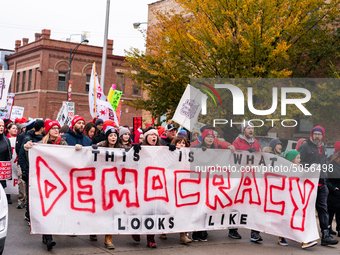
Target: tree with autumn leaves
pixel 238 39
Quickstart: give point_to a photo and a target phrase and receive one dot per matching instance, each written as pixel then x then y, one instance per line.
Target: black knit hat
pixel 39 124
pixel 99 121
pixel 109 130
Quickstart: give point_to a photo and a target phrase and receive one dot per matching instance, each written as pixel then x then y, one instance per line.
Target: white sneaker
pixel 309 244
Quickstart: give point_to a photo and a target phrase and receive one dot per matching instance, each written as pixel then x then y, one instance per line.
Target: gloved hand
pixel 94 146
pixel 28 145
pixel 172 147
pixel 252 150
pixel 78 147
pixel 137 147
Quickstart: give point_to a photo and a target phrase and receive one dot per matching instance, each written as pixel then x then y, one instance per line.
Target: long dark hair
pixel 88 127
pixel 106 141
pixel 179 139
pixel 129 141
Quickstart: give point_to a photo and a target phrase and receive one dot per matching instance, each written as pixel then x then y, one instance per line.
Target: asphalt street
pixel 20 242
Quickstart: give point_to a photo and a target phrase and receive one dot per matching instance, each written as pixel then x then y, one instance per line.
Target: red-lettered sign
pixel 99 191
pixel 5 170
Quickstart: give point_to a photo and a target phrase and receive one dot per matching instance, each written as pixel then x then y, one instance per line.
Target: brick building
pixel 40 77
pixel 295 133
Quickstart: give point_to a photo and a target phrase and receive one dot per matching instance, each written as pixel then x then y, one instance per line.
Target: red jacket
pixel 241 145
pixel 218 143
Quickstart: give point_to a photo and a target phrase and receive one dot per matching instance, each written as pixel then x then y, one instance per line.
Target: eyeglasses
pixel 55 128
pixel 317 134
pixel 210 136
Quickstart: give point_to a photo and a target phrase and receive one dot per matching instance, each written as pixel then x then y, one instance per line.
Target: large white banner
pixel 100 191
pixel 5 82
pixel 12 184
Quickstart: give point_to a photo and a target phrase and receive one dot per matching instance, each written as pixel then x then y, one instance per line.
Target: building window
pixel 23 80
pixel 305 126
pixel 87 83
pixel 135 90
pixel 121 82
pixel 62 81
pixel 29 80
pixel 18 81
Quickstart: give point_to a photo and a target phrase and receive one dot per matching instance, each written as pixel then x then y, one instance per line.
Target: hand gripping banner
pixel 100 191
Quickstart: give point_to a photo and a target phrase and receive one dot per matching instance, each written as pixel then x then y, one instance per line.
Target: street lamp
pixel 72 53
pixel 137 24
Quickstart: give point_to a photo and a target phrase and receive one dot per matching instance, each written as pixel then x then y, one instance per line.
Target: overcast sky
pixel 21 19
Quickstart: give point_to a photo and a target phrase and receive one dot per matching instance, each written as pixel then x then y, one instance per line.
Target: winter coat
pixel 241 144
pixel 5 152
pixel 72 138
pixel 98 138
pixel 334 182
pixel 165 141
pixel 60 141
pixel 20 138
pixel 217 142
pixel 23 156
pixel 200 146
pixel 310 155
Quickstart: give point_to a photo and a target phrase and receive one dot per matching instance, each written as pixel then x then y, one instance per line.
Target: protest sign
pixel 17 112
pixel 100 191
pixel 66 114
pixel 5 81
pixel 189 107
pixel 116 99
pixel 5 170
pixel 5 113
pixel 12 184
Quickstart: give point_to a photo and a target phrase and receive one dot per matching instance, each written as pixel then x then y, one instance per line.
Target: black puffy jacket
pixel 310 155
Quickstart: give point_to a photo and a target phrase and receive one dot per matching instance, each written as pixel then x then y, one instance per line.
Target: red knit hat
pixel 76 119
pixel 336 147
pixel 160 130
pixel 109 123
pixel 50 123
pixel 207 132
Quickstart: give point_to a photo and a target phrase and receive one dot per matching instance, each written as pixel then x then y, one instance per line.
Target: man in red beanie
pixel 75 134
pixel 313 151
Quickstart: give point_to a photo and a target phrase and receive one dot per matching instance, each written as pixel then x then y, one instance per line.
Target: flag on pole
pixel 99 106
pixel 189 107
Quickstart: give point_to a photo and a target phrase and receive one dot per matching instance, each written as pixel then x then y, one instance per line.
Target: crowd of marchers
pixel 107 134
